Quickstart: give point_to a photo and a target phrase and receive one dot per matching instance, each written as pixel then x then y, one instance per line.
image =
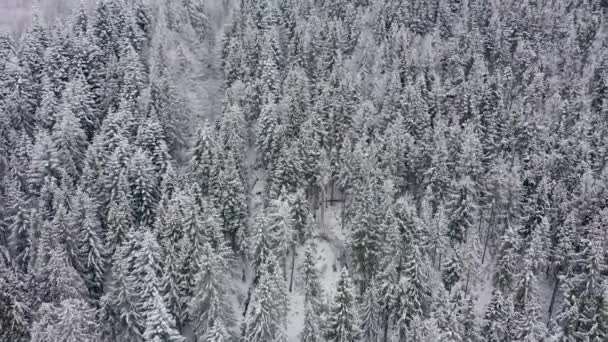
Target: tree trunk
pixel 293 263
pixel 466 286
pixel 323 210
pixel 489 232
pixel 553 295
pixel 343 213
pixel 385 323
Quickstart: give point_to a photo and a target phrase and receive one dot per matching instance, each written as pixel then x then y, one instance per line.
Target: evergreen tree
pixel 69 321
pixel 313 292
pixel 45 165
pixel 58 280
pixel 210 303
pixel 91 242
pixel 282 231
pixel 507 260
pixel 160 325
pixel 70 141
pixel 343 321
pixel 217 333
pixel 205 159
pixel 312 331
pixel 230 198
pixel 451 271
pixel 497 318
pixel 19 222
pixel 265 319
pixel 119 216
pixel 143 184
pixel 371 312
pixel 269 134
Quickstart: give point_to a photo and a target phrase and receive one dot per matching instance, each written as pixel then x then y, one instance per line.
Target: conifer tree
pixel 119 216
pixel 371 312
pixel 69 321
pixel 205 158
pixel 496 318
pixel 507 259
pixel 217 333
pixel 229 194
pixel 70 141
pixel 313 292
pixel 90 241
pixel 19 220
pixel 143 194
pixel 58 280
pixel 265 319
pixel 210 303
pixel 343 320
pixel 312 331
pixel 451 271
pixel 282 231
pixel 269 134
pixel 45 165
pixel 160 325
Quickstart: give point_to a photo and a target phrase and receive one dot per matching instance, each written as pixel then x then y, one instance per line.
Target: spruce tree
pixel 160 325
pixel 496 318
pixel 265 319
pixel 143 194
pixel 210 303
pixel 71 320
pixel 371 313
pixel 343 320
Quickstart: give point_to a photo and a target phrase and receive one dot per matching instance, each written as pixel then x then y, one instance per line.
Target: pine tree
pixel 217 333
pixel 313 292
pixel 265 319
pixel 229 193
pixel 119 306
pixel 160 325
pixel 71 320
pixel 296 99
pixel 260 244
pixel 269 134
pixel 70 141
pixel 367 224
pixel 19 219
pixel 119 218
pixel 45 164
pixel 415 287
pixel 312 332
pixel 77 97
pixel 205 158
pixel 343 321
pixel 31 65
pixel 507 259
pixel 143 184
pixel 282 230
pixel 451 271
pixel 173 291
pixel 58 280
pixel 371 313
pixel 497 318
pixel 91 242
pixel 210 303
pixel 527 324
pixel 151 139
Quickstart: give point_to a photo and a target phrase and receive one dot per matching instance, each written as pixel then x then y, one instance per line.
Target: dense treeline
pixel 461 142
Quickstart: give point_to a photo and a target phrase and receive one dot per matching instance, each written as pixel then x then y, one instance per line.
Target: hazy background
pixel 15 15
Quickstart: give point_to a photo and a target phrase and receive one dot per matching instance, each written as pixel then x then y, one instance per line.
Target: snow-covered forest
pixel 305 170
